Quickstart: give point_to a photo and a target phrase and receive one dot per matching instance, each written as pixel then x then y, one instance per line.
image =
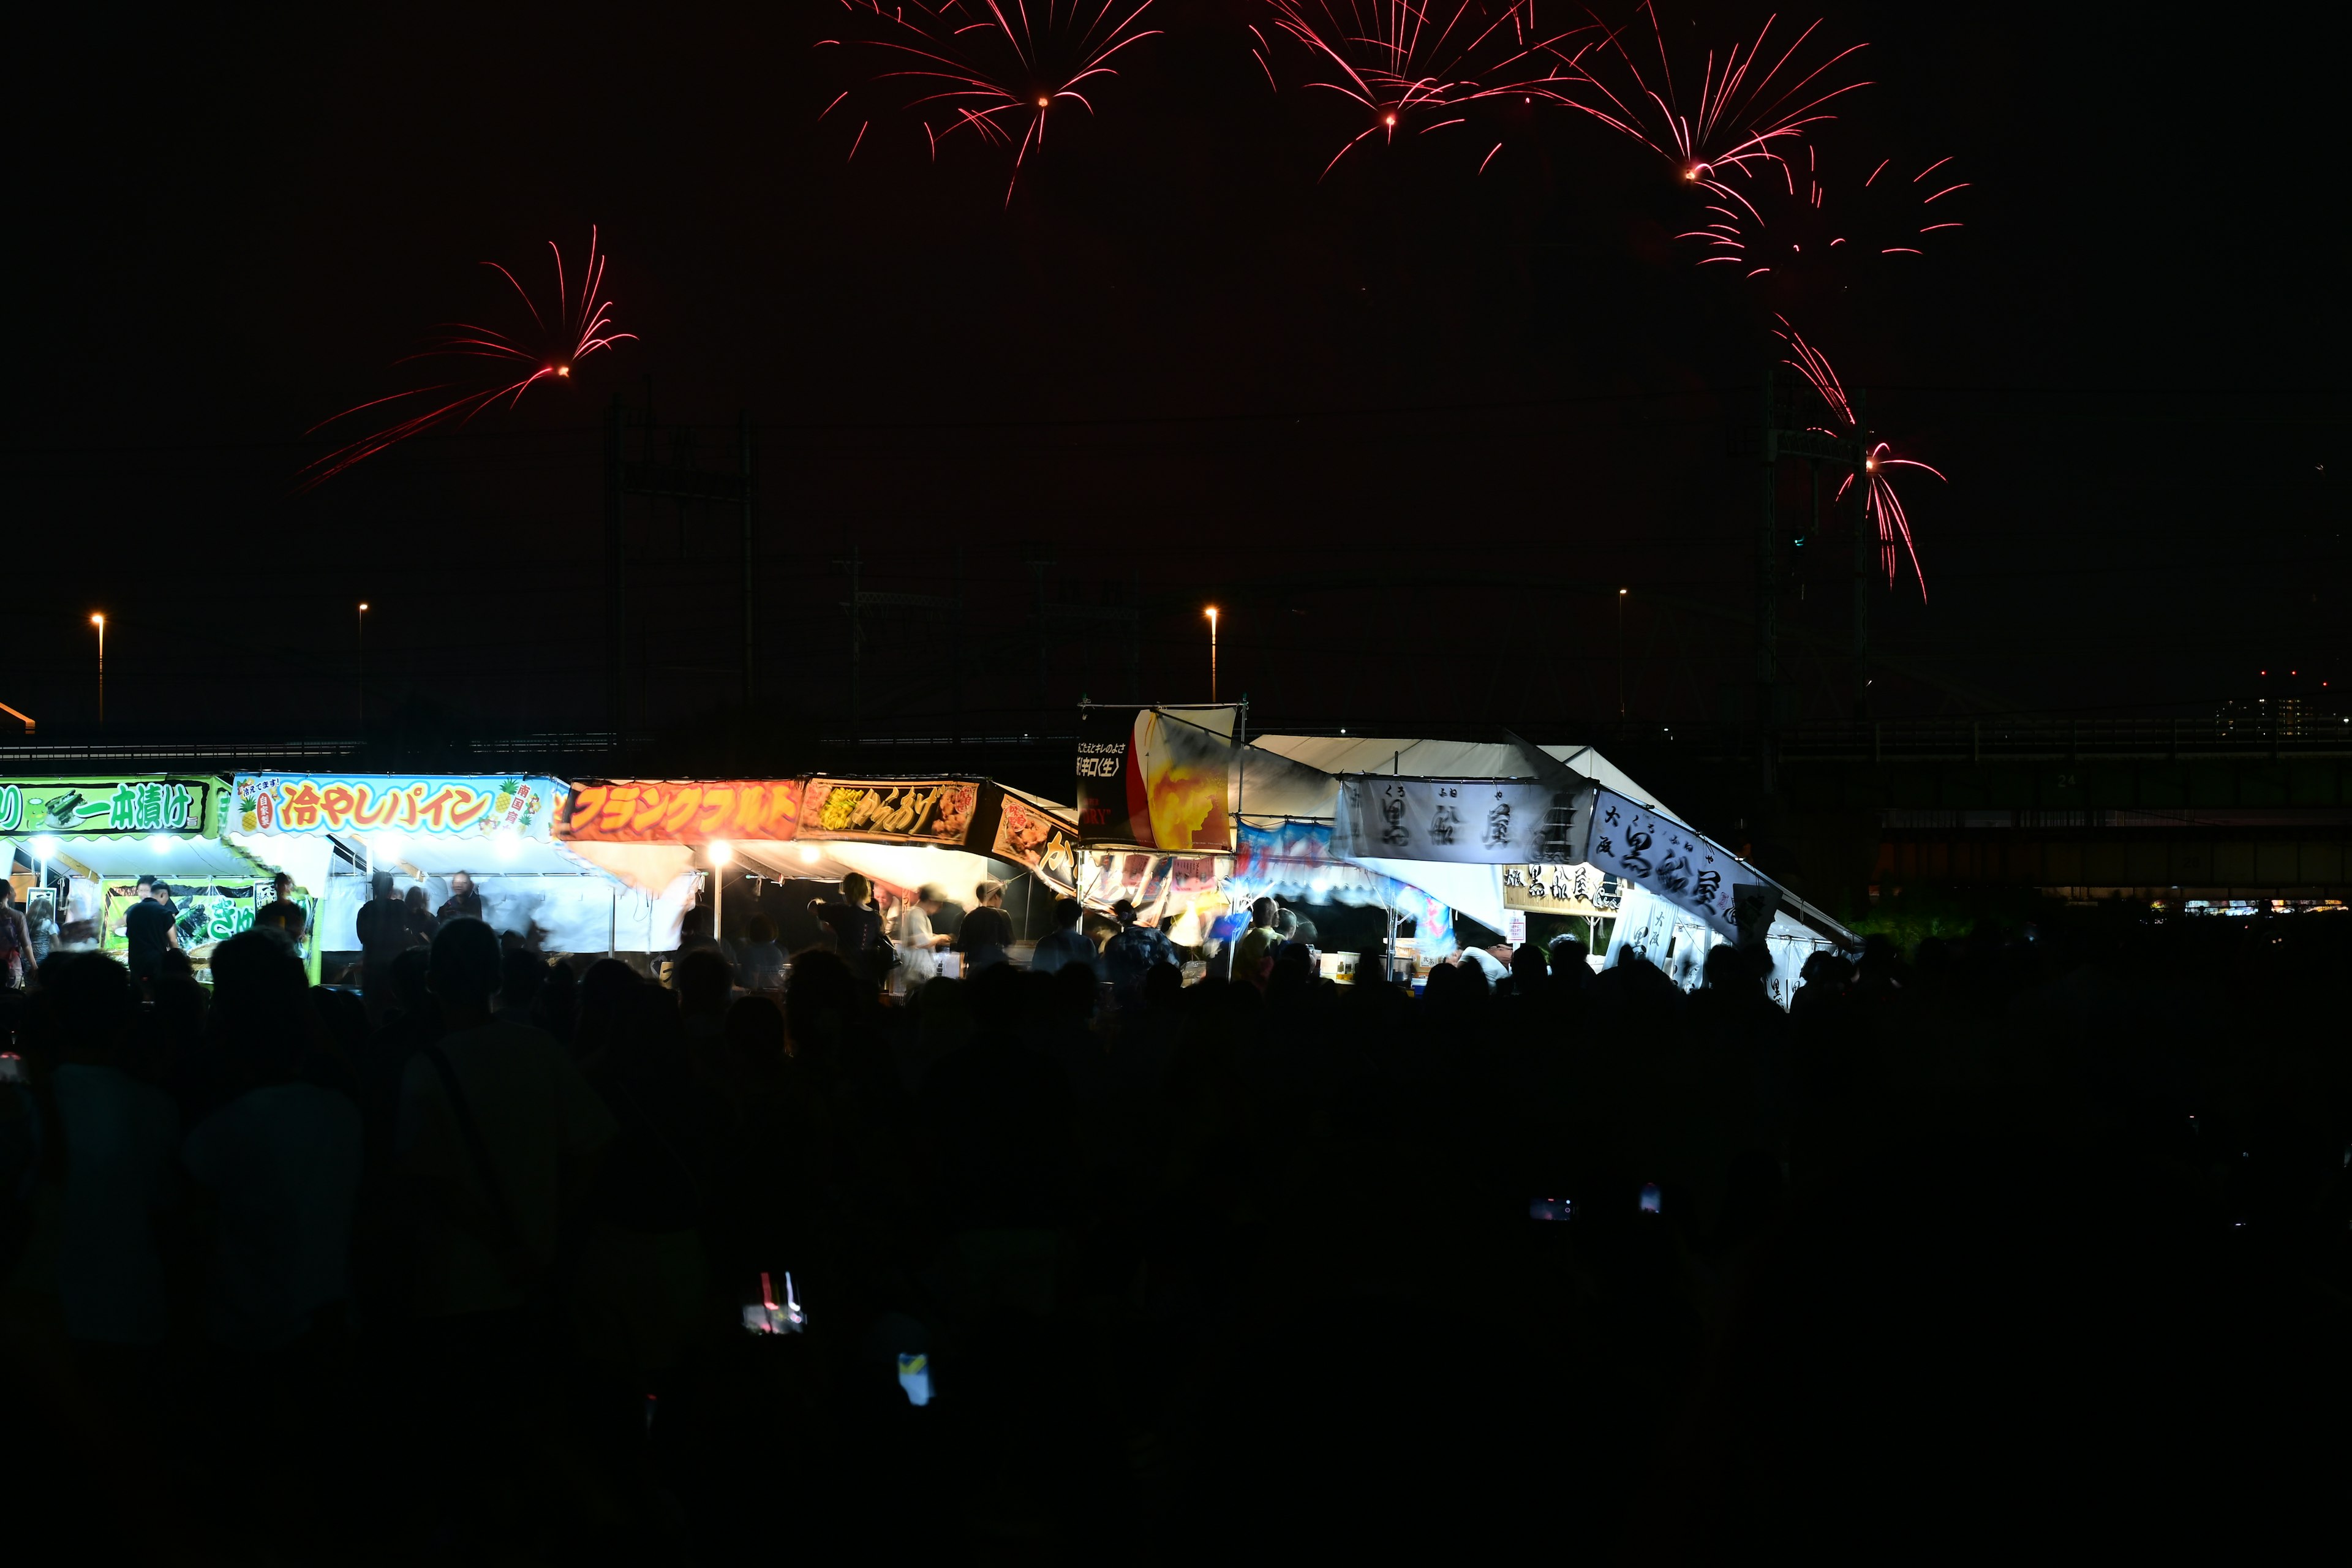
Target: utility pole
pixel 750 558
pixel 681 481
pixel 1787 434
pixel 1866 551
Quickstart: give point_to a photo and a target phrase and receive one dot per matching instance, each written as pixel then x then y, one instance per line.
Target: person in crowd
pixel 557 1011
pixel 1063 946
pixel 497 1133
pixel 1133 952
pixel 761 966
pixel 382 924
pixel 463 901
pixel 418 905
pixel 522 976
pixel 120 1135
pixel 919 945
pixel 17 960
pixel 986 938
pixel 856 927
pixel 150 928
pixel 1254 954
pixel 281 1159
pixel 284 913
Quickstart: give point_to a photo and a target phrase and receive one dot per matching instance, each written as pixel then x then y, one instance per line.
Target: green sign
pixel 126 807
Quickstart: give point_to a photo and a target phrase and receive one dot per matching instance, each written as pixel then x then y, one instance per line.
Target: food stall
pixel 898 833
pixel 1460 822
pixel 426 829
pixel 87 841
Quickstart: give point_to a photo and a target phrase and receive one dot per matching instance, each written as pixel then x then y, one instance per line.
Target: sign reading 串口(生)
pixel 1157 778
pixel 1480 822
pixel 668 811
pixel 933 811
pixel 344 802
pixel 1677 863
pixel 94 807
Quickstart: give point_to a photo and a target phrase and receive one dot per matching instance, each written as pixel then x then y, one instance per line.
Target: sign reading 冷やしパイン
pixel 317 803
pixel 93 806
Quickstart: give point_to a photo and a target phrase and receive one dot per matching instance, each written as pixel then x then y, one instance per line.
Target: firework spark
pixel 1741 112
pixel 1418 68
pixel 1791 215
pixel 994 71
pixel 571 327
pixel 1879 500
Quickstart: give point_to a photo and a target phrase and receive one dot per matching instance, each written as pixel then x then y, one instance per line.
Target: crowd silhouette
pixel 2026 1242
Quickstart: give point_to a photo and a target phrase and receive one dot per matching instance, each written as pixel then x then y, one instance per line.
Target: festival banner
pixel 111 807
pixel 672 811
pixel 1687 869
pixel 1157 778
pixel 887 811
pixel 346 803
pixel 1047 844
pixel 1479 822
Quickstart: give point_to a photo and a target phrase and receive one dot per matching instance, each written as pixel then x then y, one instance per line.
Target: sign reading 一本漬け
pixel 652 811
pixel 343 803
pixel 94 807
pixel 935 811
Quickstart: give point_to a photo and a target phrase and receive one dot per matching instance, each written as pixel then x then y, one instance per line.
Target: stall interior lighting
pixel 161 843
pixel 810 855
pixel 44 847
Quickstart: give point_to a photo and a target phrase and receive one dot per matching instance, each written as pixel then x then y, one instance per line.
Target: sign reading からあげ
pixel 934 811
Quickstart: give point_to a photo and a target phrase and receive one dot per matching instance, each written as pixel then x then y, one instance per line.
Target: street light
pixel 1620 654
pixel 362 682
pixel 1211 614
pixel 99 622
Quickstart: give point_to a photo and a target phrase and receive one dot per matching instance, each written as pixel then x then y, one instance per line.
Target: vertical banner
pixel 1157 778
pixel 1669 861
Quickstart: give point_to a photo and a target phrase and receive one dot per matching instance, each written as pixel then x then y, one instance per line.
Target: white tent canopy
pixel 1295 777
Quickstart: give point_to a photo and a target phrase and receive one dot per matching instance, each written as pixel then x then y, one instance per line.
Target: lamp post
pixel 1212 613
pixel 362 662
pixel 1620 654
pixel 99 621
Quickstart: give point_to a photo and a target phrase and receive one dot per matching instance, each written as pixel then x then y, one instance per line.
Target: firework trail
pixel 1420 67
pixel 990 71
pixel 1879 500
pixel 1745 109
pixel 1783 216
pixel 571 327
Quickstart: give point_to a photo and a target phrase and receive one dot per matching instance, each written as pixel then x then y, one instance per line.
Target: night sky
pixel 1411 426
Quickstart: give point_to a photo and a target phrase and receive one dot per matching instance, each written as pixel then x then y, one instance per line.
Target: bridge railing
pixel 2042 739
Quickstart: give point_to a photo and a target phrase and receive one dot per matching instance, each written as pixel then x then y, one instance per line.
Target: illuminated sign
pixel 345 802
pixel 92 807
pixel 647 811
pixel 936 811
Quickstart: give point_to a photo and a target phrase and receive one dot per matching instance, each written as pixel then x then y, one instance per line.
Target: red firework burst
pixel 1420 68
pixel 1783 217
pixel 1880 500
pixel 992 70
pixel 573 327
pixel 1742 112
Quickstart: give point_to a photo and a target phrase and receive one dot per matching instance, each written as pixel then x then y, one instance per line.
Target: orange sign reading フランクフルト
pixel 650 811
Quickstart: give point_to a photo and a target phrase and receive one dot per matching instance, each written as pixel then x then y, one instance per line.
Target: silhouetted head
pixel 466 966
